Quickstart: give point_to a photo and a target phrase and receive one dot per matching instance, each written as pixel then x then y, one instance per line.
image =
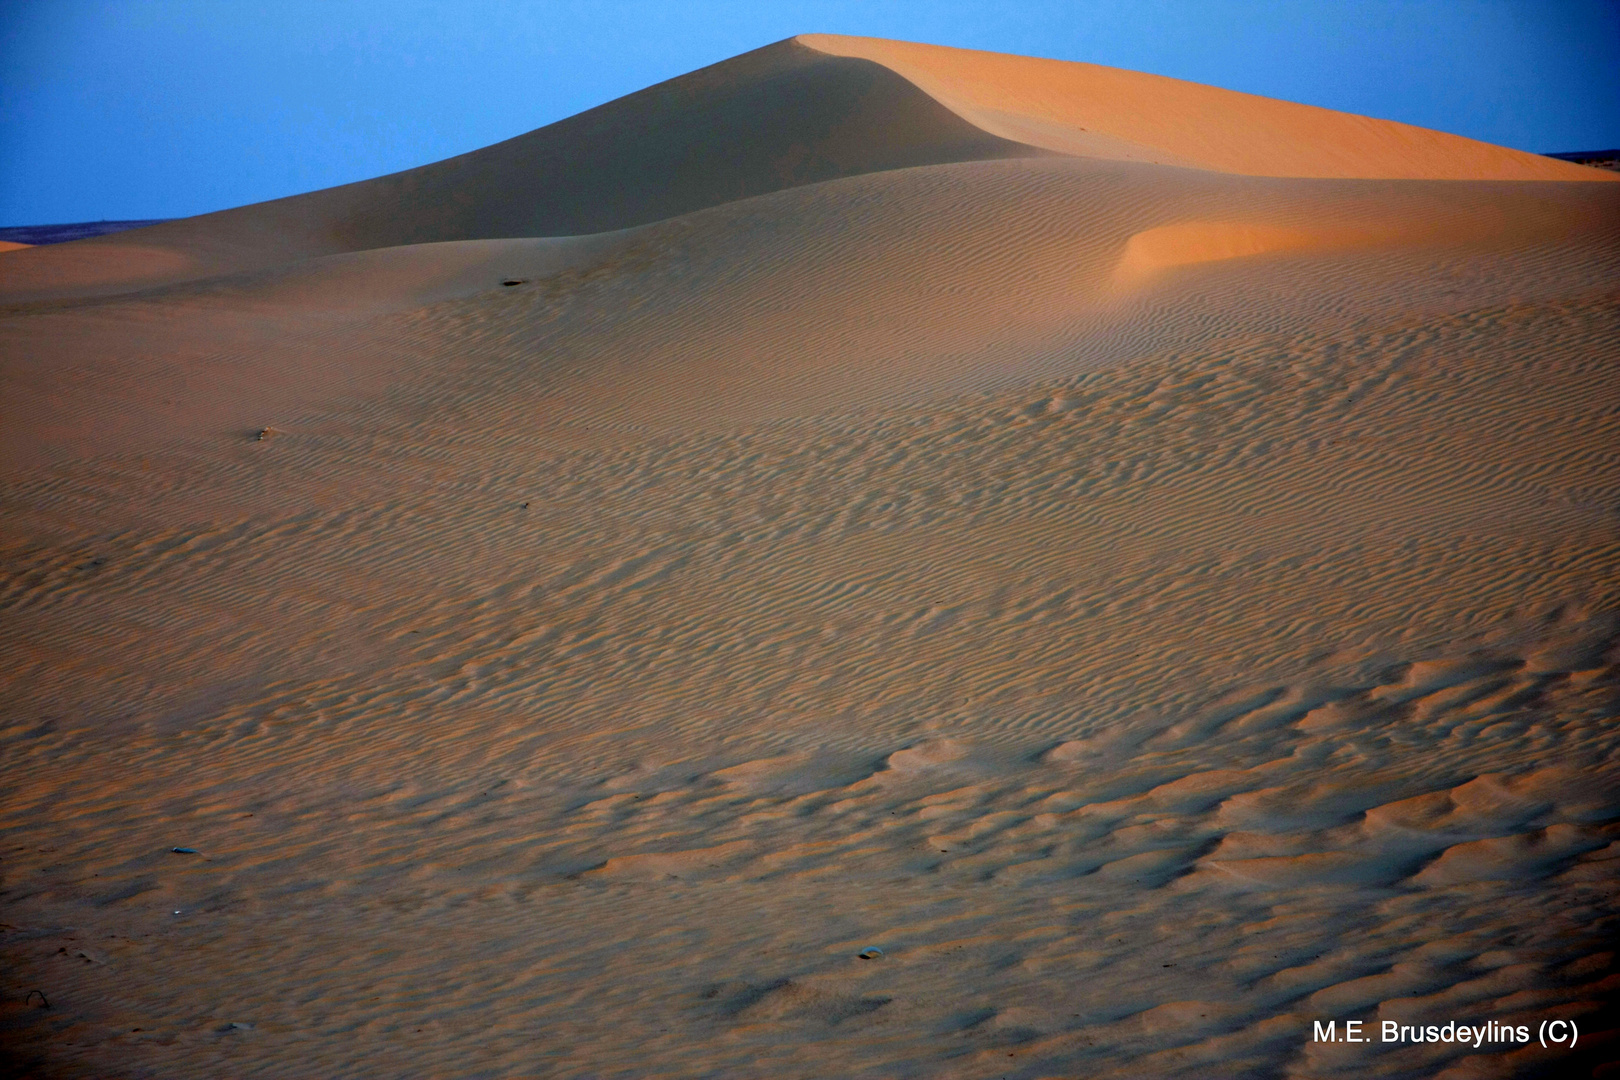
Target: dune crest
pixel 1188 243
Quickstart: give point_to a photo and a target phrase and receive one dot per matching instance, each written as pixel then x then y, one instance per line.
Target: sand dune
pixel 1156 583
pixel 1103 112
pixel 781 116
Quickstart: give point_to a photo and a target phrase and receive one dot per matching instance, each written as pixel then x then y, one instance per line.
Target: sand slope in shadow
pixel 778 117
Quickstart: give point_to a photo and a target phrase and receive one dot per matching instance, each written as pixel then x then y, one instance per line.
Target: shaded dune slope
pixel 777 117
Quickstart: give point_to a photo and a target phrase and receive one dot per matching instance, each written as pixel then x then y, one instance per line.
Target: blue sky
pixel 161 108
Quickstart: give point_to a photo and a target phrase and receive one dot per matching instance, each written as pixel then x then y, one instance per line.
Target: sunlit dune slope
pixel 1097 111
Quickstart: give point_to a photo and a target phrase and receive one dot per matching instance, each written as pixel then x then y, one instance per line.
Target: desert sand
pixel 1144 557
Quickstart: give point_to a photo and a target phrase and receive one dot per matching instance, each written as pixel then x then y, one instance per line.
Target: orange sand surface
pixel 1144 557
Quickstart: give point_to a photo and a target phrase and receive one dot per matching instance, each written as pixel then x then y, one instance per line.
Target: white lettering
pixel 1561 1032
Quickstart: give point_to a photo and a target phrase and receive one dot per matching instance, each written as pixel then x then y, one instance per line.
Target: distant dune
pixel 29 235
pixel 1597 159
pixel 866 559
